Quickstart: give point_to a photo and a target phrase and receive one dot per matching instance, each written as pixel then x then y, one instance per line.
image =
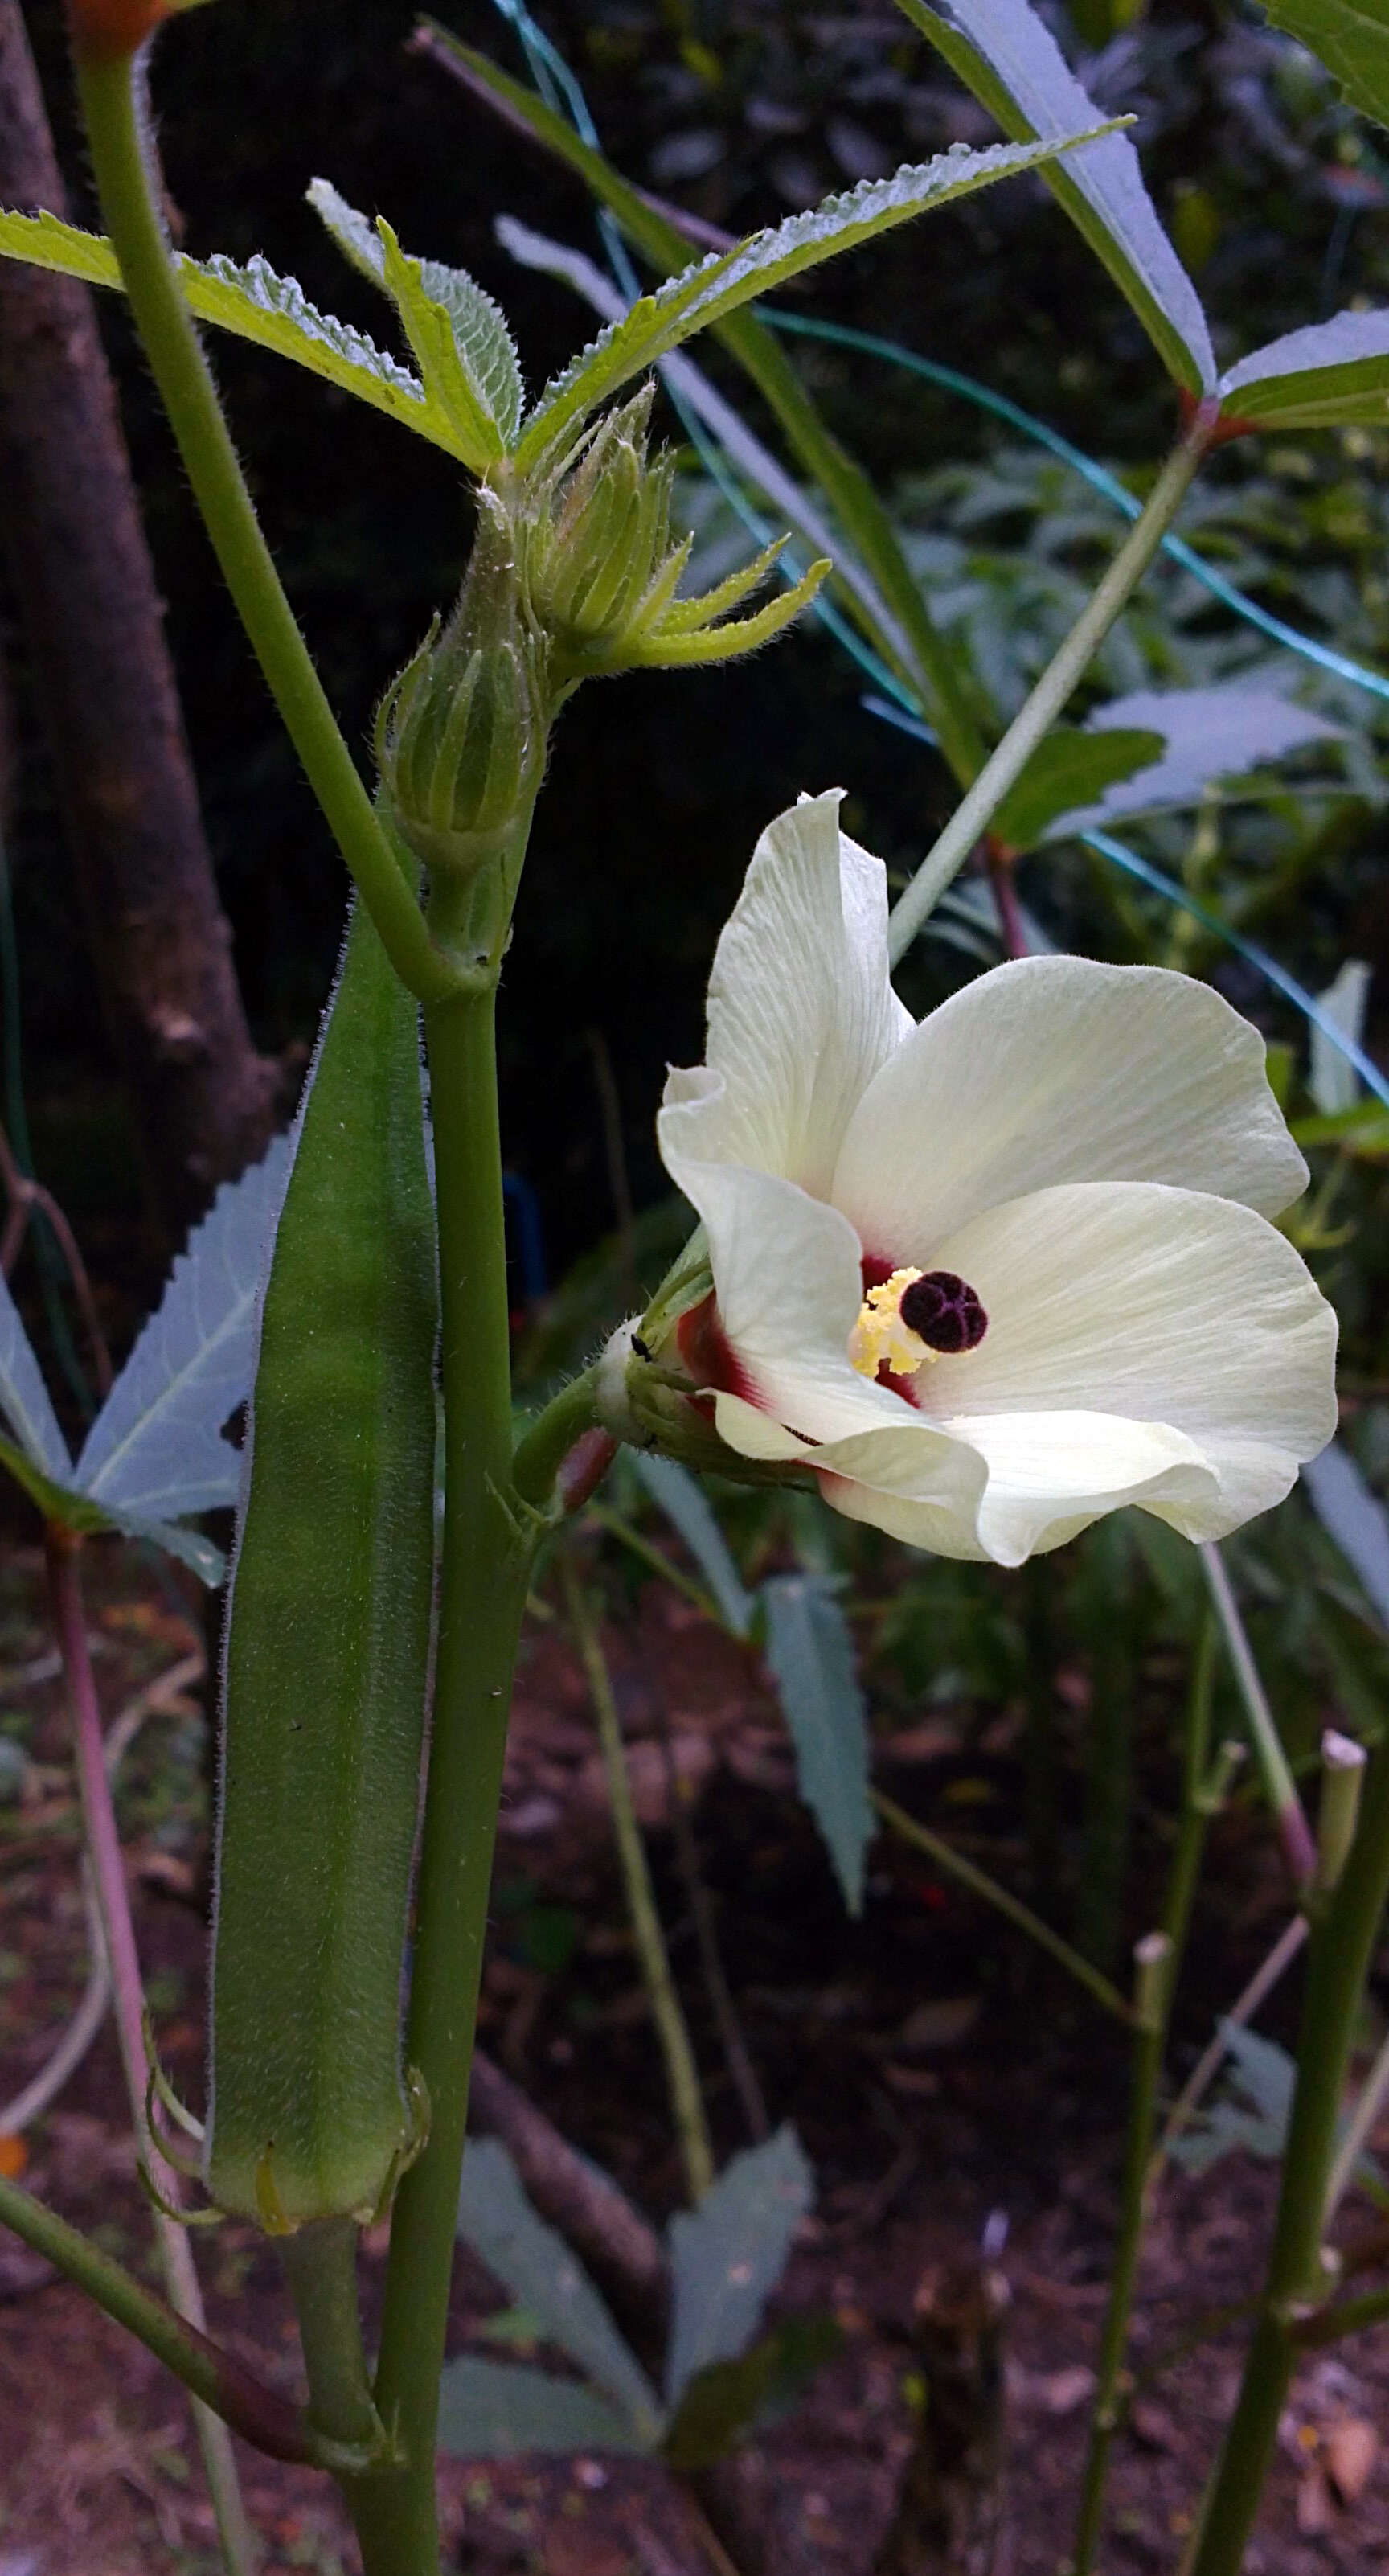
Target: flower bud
pixel 110 30
pixel 460 739
pixel 599 573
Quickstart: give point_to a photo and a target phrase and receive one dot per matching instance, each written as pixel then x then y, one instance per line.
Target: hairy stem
pixel 682 2073
pixel 130 210
pixel 1065 670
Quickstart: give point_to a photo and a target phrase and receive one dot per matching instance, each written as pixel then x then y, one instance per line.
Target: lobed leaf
pixel 1326 376
pixel 24 1399
pixel 256 304
pixel 481 336
pixel 156 1448
pixel 731 2398
pixel 810 1655
pixel 717 286
pixel 1067 769
pixel 536 2265
pixel 728 2255
pixel 1208 734
pixel 1009 58
pixel 497 2410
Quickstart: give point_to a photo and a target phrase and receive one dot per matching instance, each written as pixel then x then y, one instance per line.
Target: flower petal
pixel 801 1012
pixel 789 1284
pixel 1158 1305
pixel 918 1483
pixel 1055 1069
pixel 1051 1474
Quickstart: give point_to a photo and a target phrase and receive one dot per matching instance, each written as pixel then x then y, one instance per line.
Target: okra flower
pixel 993 1276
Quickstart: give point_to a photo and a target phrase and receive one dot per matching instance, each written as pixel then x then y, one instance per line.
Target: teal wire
pixel 799 326
pixel 556 81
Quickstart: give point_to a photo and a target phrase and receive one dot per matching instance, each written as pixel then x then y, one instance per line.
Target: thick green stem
pixel 1036 718
pixel 487 1548
pixel 979 1883
pixel 321 2268
pixel 210 2375
pixel 130 210
pixel 546 1442
pixel 1342 1946
pixel 682 2073
pixel 1158 1966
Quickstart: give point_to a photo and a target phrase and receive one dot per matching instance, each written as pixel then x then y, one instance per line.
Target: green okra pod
pixel 328 1641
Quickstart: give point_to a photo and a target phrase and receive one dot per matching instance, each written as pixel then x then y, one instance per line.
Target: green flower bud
pixel 599 572
pixel 460 739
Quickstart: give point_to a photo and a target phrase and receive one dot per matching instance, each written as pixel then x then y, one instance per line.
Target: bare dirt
pixel 949 2089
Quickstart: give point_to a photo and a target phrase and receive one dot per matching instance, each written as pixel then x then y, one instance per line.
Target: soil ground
pixel 950 2091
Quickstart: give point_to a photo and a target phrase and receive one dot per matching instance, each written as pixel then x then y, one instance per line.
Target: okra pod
pixel 327 1643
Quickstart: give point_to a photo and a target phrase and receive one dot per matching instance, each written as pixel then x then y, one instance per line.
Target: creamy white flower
pixel 1079 1161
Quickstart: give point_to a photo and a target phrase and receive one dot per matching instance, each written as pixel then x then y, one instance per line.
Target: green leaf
pixel 728 2255
pixel 76 1511
pixel 1327 376
pixel 534 2263
pixel 675 1492
pixel 449 380
pixel 1364 1129
pixel 482 339
pixel 1207 734
pixel 156 1449
pixel 717 286
pixel 257 305
pixel 498 2410
pixel 1351 37
pixel 24 1399
pixel 810 1655
pixel 1004 53
pixel 1354 1519
pixel 1066 770
pixel 732 2398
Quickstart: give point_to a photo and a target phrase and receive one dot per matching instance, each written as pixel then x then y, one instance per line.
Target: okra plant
pixel 978 1282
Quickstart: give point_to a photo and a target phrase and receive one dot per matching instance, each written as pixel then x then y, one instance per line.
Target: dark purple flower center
pixel 944 1312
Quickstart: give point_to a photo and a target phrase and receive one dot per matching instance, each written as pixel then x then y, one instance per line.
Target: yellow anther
pixel 880 1338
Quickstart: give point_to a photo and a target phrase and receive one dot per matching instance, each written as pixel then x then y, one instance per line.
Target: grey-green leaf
pixel 717 286
pixel 1354 1518
pixel 534 2263
pixel 1208 734
pixel 1005 54
pixel 1326 376
pixel 810 1655
pixel 1351 37
pixel 728 2255
pixel 498 2410
pixel 155 1450
pixel 675 1492
pixel 24 1399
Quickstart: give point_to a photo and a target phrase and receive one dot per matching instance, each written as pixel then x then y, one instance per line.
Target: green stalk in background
pixel 130 210
pixel 682 2072
pixel 1342 1946
pixel 1063 673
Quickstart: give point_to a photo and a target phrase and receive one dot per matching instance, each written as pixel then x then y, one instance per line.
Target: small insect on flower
pixel 989 1277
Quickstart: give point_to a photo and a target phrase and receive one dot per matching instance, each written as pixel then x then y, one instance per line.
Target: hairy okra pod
pixel 327 1642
